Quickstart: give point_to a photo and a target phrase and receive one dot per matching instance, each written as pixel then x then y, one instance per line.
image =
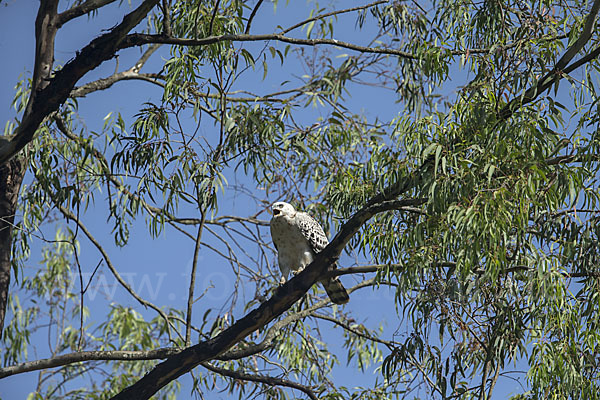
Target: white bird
pixel 298 237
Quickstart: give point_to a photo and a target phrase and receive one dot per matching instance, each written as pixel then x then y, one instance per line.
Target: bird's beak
pixel 276 212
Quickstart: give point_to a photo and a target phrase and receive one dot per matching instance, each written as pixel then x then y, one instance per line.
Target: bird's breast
pixel 289 239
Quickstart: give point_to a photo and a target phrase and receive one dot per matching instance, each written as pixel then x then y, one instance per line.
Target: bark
pixel 11 176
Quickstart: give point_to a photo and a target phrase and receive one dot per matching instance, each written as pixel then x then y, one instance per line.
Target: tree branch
pixel 71 358
pixel 329 14
pixel 267 380
pixel 166 6
pixel 190 301
pixel 45 99
pixel 347 327
pixel 69 215
pixel 251 17
pixel 66 359
pixel 105 83
pixel 45 33
pixel 362 269
pixel 81 9
pixel 130 74
pixel 137 39
pixel 560 69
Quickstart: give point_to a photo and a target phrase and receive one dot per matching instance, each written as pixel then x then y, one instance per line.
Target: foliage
pixel 496 262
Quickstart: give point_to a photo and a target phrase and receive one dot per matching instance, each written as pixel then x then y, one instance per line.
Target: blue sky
pixel 159 271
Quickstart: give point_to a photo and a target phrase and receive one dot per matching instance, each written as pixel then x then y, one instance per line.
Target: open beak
pixel 276 212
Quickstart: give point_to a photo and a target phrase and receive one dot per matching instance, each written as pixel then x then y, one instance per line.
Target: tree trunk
pixel 11 176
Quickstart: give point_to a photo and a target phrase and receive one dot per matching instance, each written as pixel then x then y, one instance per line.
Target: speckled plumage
pixel 298 237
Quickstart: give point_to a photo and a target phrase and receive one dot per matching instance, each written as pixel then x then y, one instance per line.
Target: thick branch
pixel 45 33
pixel 11 177
pixel 166 6
pixel 583 38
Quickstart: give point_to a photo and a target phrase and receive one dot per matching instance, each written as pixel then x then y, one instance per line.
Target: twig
pixel 389 344
pixel 190 301
pixel 113 270
pixel 329 14
pixel 212 18
pixel 77 11
pixel 251 17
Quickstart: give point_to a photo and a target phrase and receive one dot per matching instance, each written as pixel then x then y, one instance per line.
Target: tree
pixel 476 204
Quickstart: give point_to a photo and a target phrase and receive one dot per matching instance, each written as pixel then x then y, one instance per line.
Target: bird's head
pixel 282 208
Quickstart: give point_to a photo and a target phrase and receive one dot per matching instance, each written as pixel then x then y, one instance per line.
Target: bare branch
pixel 45 33
pixel 364 335
pixel 144 58
pixel 83 8
pixel 137 39
pixel 268 380
pixel 222 220
pixel 70 216
pixel 131 74
pixel 362 269
pixel 66 359
pixel 105 83
pixel 190 301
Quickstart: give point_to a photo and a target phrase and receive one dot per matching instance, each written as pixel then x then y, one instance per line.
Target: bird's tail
pixel 336 291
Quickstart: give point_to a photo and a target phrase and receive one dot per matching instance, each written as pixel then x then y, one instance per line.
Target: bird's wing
pixel 317 239
pixel 312 231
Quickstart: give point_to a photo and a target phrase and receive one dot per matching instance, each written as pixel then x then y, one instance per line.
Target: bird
pixel 298 237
